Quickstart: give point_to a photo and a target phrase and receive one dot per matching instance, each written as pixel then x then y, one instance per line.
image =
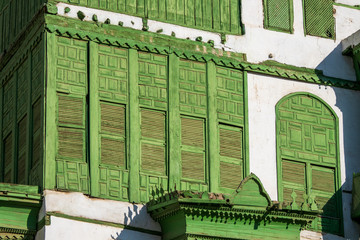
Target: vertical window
pixel 71 131
pixel 8 159
pixel 193 148
pixel 318 18
pixel 112 134
pixel 308 157
pixel 278 15
pixel 36 138
pixel 153 141
pixel 22 151
pixel 231 156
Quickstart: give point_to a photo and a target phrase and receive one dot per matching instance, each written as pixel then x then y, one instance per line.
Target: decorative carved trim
pixel 196 52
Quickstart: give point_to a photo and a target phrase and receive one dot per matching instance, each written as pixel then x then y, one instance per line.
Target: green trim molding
pixel 247 213
pixel 156 43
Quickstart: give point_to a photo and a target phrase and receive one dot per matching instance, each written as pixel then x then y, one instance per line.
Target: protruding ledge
pixel 247 213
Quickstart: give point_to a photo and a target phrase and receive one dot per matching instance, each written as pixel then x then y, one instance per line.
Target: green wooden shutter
pixel 319 19
pixel 71 131
pixel 36 142
pixel 22 151
pixel 193 148
pixel 293 179
pixel 153 144
pixel 231 160
pixel 323 188
pixel 8 159
pixel 278 15
pixel 112 134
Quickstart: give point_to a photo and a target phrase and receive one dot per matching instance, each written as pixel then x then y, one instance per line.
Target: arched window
pixel 308 157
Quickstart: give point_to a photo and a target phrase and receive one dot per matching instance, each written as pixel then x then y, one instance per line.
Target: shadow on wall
pixel 347 102
pixel 337 65
pixel 131 219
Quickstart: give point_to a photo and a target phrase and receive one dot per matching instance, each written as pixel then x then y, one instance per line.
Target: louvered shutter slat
pixel 153 155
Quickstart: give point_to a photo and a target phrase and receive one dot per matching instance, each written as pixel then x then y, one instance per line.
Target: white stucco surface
pixel 259 43
pixel 79 205
pixel 62 228
pixel 264 92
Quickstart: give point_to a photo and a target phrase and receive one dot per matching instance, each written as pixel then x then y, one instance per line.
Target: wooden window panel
pixel 193 148
pixel 153 141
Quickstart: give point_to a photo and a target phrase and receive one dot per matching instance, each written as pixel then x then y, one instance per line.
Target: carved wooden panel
pixel 230 95
pixel 153 74
pixel 113 73
pixel 192 85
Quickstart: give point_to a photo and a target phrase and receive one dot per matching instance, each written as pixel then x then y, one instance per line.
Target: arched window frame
pixel 337 164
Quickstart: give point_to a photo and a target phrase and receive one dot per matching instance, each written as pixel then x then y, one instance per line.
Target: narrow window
pixel 193 148
pixel 231 156
pixel 153 141
pixel 112 134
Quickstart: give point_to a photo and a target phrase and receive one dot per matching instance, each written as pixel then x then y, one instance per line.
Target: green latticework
pixel 278 15
pixel 319 20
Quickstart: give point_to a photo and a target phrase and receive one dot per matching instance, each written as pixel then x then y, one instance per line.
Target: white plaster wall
pixel 349 2
pixel 258 43
pixel 264 92
pixel 62 228
pixel 79 205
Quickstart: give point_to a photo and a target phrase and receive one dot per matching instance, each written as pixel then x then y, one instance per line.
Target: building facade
pixel 179 119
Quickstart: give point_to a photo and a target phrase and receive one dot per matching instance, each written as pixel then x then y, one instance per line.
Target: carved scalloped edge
pixel 287 71
pixel 16 231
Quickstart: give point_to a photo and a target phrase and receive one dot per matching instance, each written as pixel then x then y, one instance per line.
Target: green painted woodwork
pixel 131 107
pixel 109 96
pixel 19 208
pixel 214 15
pixel 246 213
pixel 134 133
pixel 117 36
pixel 318 18
pixel 22 123
pixel 308 162
pixel 15 15
pixel 279 15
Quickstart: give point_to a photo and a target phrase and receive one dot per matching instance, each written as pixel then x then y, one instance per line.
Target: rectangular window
pixel 153 141
pixel 318 183
pixel 8 159
pixel 231 156
pixel 112 134
pixel 318 18
pixel 22 151
pixel 193 148
pixel 278 15
pixel 71 130
pixel 36 133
